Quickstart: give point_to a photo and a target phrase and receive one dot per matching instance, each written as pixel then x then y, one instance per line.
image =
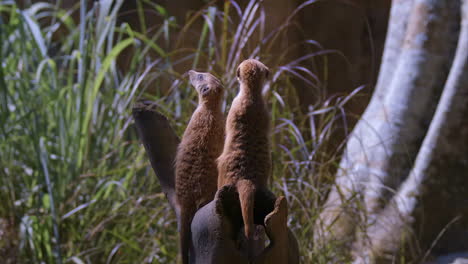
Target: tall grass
pixel 75 182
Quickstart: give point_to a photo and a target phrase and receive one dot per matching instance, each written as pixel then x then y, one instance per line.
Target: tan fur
pixel 202 143
pixel 246 159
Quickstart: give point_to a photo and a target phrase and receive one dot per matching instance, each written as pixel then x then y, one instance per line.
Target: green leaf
pixel 46 201
pixel 161 10
pixel 110 58
pixel 130 243
pixel 36 32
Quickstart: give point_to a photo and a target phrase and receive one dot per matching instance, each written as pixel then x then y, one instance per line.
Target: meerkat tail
pixel 246 191
pixel 185 235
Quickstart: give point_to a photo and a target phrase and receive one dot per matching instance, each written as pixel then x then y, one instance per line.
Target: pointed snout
pixel 192 73
pixel 193 76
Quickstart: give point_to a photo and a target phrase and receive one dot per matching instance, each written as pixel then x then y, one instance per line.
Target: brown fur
pixel 202 143
pixel 246 159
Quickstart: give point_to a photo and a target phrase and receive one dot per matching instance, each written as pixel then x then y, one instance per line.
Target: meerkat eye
pixel 204 89
pixel 200 77
pixel 238 73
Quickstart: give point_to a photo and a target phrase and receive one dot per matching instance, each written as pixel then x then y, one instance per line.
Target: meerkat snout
pixel 205 84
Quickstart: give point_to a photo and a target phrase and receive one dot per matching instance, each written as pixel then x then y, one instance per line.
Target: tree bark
pixel 434 195
pixel 384 144
pixel 346 186
pixel 419 78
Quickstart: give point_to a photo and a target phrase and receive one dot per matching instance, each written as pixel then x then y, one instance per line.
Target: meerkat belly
pixel 196 179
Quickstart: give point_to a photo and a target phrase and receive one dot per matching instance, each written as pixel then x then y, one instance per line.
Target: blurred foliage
pixel 75 183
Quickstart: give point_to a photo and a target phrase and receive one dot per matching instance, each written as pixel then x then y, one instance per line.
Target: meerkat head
pixel 209 88
pixel 252 73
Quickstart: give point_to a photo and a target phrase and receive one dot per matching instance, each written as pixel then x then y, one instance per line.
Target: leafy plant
pixel 75 182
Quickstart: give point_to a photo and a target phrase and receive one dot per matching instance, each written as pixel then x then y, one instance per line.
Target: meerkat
pixel 246 160
pixel 195 164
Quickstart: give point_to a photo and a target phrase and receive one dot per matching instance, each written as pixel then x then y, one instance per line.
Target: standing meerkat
pixel 195 165
pixel 246 159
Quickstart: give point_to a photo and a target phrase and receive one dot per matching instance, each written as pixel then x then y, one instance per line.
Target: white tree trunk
pixel 439 175
pixel 384 144
pixel 346 185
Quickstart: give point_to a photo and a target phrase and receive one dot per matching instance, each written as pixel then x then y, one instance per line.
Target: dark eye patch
pixel 200 77
pixel 204 89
